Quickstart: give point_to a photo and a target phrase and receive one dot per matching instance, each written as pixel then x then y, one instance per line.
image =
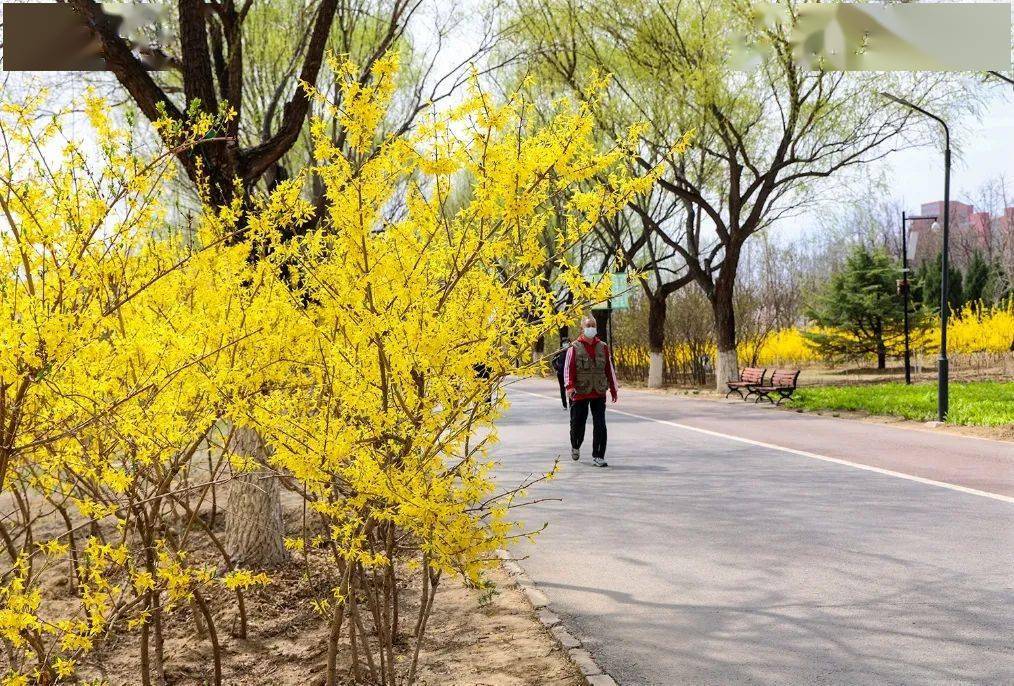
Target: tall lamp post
pixel 906 284
pixel 942 364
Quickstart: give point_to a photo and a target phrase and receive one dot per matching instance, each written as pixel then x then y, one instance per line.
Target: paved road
pixel 699 559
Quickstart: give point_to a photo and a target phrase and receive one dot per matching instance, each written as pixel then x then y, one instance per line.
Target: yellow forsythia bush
pixel 129 358
pixel 975 329
pixel 978 329
pixel 787 346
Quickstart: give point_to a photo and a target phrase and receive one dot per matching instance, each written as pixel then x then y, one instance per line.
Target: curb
pixel 579 655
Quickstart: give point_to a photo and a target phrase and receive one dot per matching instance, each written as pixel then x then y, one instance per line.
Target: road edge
pixel 582 658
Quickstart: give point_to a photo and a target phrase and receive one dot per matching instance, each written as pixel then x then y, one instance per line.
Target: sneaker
pixel 575 454
pixel 600 462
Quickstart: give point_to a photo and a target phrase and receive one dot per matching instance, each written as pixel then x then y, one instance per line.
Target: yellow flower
pixel 244 578
pixel 63 667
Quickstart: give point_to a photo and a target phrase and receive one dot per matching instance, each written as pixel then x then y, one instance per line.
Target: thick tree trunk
pixel 881 353
pixel 726 361
pixel 254 527
pixel 602 324
pixel 656 341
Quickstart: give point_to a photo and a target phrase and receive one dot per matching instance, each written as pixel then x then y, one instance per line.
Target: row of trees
pixel 859 311
pixel 764 136
pixel 840 289
pixel 979 282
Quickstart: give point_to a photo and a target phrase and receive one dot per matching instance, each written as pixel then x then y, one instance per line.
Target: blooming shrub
pixel 975 330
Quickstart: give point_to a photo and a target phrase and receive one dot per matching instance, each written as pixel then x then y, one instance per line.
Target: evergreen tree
pixel 976 281
pixel 859 311
pixel 928 292
pixel 998 284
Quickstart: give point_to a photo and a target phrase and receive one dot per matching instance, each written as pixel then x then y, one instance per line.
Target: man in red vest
pixel 588 373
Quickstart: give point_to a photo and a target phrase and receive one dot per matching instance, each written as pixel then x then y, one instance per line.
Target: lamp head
pixel 935 226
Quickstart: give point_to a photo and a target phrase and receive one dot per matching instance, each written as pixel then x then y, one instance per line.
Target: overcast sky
pixel 987 151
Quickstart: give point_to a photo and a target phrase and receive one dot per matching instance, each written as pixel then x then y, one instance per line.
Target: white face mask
pixel 590 331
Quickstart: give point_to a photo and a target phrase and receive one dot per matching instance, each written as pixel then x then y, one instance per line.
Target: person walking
pixel 558 363
pixel 588 373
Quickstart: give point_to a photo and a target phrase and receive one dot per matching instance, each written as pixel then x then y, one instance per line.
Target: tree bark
pixel 254 529
pixel 881 351
pixel 540 349
pixel 602 324
pixel 656 341
pixel 726 361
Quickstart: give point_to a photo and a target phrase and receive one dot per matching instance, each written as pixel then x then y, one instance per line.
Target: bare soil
pixel 474 638
pixel 471 641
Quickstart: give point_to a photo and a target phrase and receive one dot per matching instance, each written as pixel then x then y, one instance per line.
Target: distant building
pixel 971 232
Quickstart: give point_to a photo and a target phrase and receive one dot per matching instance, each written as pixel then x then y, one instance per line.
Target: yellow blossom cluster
pixel 368 354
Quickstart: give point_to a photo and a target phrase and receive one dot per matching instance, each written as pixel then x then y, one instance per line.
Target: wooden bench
pixel 782 382
pixel 748 378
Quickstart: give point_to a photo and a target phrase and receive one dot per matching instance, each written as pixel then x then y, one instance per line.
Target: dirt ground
pixel 496 643
pixel 474 638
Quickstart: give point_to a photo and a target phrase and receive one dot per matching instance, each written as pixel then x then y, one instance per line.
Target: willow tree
pixel 766 129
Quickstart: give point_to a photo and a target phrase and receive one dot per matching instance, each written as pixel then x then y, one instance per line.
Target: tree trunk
pixel 540 349
pixel 602 324
pixel 656 341
pixel 254 529
pixel 726 361
pixel 881 352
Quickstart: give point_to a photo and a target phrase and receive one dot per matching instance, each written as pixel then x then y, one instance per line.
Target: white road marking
pixel 803 453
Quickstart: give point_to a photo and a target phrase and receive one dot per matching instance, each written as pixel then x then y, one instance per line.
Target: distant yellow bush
pixel 785 347
pixel 975 329
pixel 978 329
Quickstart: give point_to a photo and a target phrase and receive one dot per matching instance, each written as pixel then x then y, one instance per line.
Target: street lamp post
pixel 942 363
pixel 906 286
pixel 904 291
pixel 1002 77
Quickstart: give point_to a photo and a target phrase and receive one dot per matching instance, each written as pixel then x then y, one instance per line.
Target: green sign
pixel 620 297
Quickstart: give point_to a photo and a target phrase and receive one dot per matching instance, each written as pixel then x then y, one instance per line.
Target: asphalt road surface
pixel 793 550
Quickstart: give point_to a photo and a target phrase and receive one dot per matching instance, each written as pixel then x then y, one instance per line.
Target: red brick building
pixel 971 232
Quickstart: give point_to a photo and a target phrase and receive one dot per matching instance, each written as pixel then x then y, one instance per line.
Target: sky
pixel 987 151
pixel 984 151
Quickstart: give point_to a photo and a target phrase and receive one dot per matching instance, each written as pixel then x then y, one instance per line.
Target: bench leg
pixel 761 395
pixel 785 396
pixel 734 390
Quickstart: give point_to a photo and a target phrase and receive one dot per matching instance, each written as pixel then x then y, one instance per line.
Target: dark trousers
pixel 563 390
pixel 578 419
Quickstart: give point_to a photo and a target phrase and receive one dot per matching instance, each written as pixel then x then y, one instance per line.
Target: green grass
pixel 978 403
